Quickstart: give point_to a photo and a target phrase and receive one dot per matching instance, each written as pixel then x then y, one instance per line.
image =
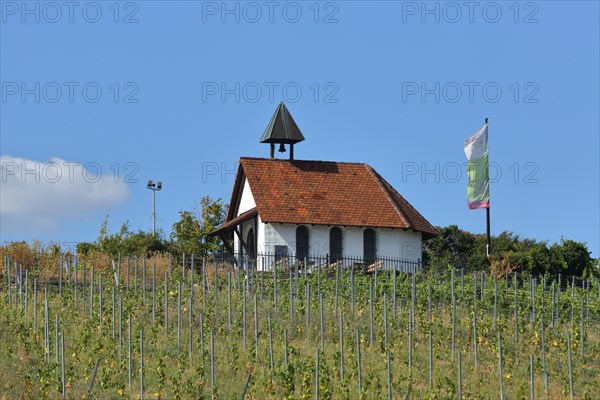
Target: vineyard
pixel 202 330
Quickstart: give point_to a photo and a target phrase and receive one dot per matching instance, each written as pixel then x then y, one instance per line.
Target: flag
pixel 476 150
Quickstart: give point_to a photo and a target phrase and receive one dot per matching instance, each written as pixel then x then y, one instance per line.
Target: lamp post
pixel 155 187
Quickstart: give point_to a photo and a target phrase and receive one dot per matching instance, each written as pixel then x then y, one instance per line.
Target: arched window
pixel 335 244
pixel 251 243
pixel 369 246
pixel 302 241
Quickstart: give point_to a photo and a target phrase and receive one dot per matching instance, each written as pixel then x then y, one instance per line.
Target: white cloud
pixel 37 195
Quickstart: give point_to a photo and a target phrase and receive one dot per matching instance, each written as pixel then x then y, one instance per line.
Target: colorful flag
pixel 476 149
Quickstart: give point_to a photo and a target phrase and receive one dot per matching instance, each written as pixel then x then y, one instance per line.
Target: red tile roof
pixel 325 193
pixel 232 223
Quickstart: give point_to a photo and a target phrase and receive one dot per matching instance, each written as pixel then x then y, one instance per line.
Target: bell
pixel 281 148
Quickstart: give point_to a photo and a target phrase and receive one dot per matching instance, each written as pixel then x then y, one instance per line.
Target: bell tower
pixel 282 130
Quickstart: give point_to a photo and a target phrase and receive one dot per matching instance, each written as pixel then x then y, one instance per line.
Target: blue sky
pixel 99 97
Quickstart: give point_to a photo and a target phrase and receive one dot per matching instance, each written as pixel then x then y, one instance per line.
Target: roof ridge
pixel 406 202
pixel 377 179
pixel 327 193
pixel 297 160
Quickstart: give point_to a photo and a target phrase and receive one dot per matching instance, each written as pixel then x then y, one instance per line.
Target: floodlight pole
pixel 155 187
pixel 153 212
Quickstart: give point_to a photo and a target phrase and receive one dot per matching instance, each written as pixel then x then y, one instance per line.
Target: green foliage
pixel 574 258
pixel 171 372
pixel 452 246
pixel 143 243
pixel 85 248
pixel 189 234
pixel 455 247
pixel 110 243
pixel 127 242
pixel 510 253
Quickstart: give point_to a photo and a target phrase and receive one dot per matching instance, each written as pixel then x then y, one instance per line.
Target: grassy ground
pixel 30 370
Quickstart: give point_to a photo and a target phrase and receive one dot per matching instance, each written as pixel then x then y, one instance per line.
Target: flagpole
pixel 487 210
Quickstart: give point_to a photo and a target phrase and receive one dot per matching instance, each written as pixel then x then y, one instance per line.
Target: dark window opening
pixel 251 244
pixel 302 240
pixel 369 246
pixel 335 244
pixel 280 253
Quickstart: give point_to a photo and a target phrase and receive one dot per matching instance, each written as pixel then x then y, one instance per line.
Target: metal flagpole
pixel 487 210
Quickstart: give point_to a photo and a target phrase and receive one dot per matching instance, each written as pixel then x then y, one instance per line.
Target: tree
pixel 453 246
pixel 143 243
pixel 111 243
pixel 573 258
pixel 213 215
pixel 510 252
pixel 127 242
pixel 85 248
pixel 189 234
